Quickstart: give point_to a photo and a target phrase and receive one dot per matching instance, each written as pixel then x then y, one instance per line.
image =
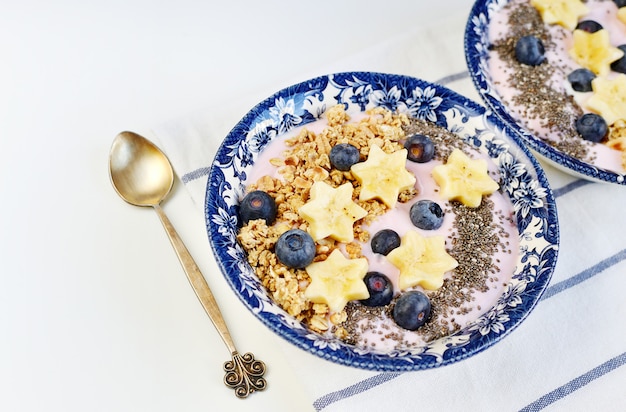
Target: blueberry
pixel 343 156
pixel 258 205
pixel 529 50
pixel 426 215
pixel 619 3
pixel 420 148
pixel 590 26
pixel 580 79
pixel 591 127
pixel 380 288
pixel 295 249
pixel 412 310
pixel 620 64
pixel 385 241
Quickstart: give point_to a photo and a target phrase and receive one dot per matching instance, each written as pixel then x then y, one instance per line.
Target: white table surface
pixel 95 311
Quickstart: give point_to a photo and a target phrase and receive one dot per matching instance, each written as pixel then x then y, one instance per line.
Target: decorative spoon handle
pixel 243 373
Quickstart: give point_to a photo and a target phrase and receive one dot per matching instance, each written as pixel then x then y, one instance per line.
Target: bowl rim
pixel 479 17
pixel 349 355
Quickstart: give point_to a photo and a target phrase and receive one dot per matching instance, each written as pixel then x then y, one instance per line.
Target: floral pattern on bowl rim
pixel 477 58
pixel 300 104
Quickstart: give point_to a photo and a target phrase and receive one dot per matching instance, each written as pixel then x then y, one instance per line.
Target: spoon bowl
pixel 140 172
pixel 143 176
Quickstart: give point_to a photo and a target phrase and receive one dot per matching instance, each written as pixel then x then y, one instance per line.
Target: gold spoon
pixel 143 176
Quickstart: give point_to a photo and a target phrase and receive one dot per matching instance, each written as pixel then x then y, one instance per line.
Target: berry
pixel 590 26
pixel 258 205
pixel 420 148
pixel 295 249
pixel 412 310
pixel 619 3
pixel 343 156
pixel 426 215
pixel 385 241
pixel 380 288
pixel 580 79
pixel 591 127
pixel 620 64
pixel 529 50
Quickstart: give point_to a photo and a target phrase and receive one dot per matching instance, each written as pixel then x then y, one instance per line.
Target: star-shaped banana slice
pixel 383 176
pixel 464 179
pixel 331 212
pixel 422 261
pixel 337 280
pixel 563 12
pixel 609 98
pixel 594 51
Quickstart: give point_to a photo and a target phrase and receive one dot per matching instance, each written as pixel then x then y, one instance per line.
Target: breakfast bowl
pixel 539 99
pixel 523 231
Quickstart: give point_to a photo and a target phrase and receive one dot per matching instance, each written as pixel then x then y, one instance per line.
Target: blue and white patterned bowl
pixel 523 180
pixel 477 58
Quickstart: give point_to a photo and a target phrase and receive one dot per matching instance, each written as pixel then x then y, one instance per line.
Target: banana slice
pixel 594 51
pixel 383 176
pixel 563 12
pixel 422 261
pixel 464 179
pixel 337 280
pixel 609 98
pixel 331 212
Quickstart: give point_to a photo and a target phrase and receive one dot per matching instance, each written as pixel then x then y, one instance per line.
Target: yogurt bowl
pixel 270 143
pixel 539 103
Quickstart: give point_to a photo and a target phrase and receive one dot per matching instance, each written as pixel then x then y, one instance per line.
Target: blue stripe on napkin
pixel 453 77
pixel 576 383
pixel 195 174
pixel 355 389
pixel 584 275
pixel 569 187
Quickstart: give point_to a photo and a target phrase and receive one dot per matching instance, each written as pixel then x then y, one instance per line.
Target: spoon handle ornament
pixel 244 374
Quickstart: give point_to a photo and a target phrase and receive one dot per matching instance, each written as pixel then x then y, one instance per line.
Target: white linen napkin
pixel 569 354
